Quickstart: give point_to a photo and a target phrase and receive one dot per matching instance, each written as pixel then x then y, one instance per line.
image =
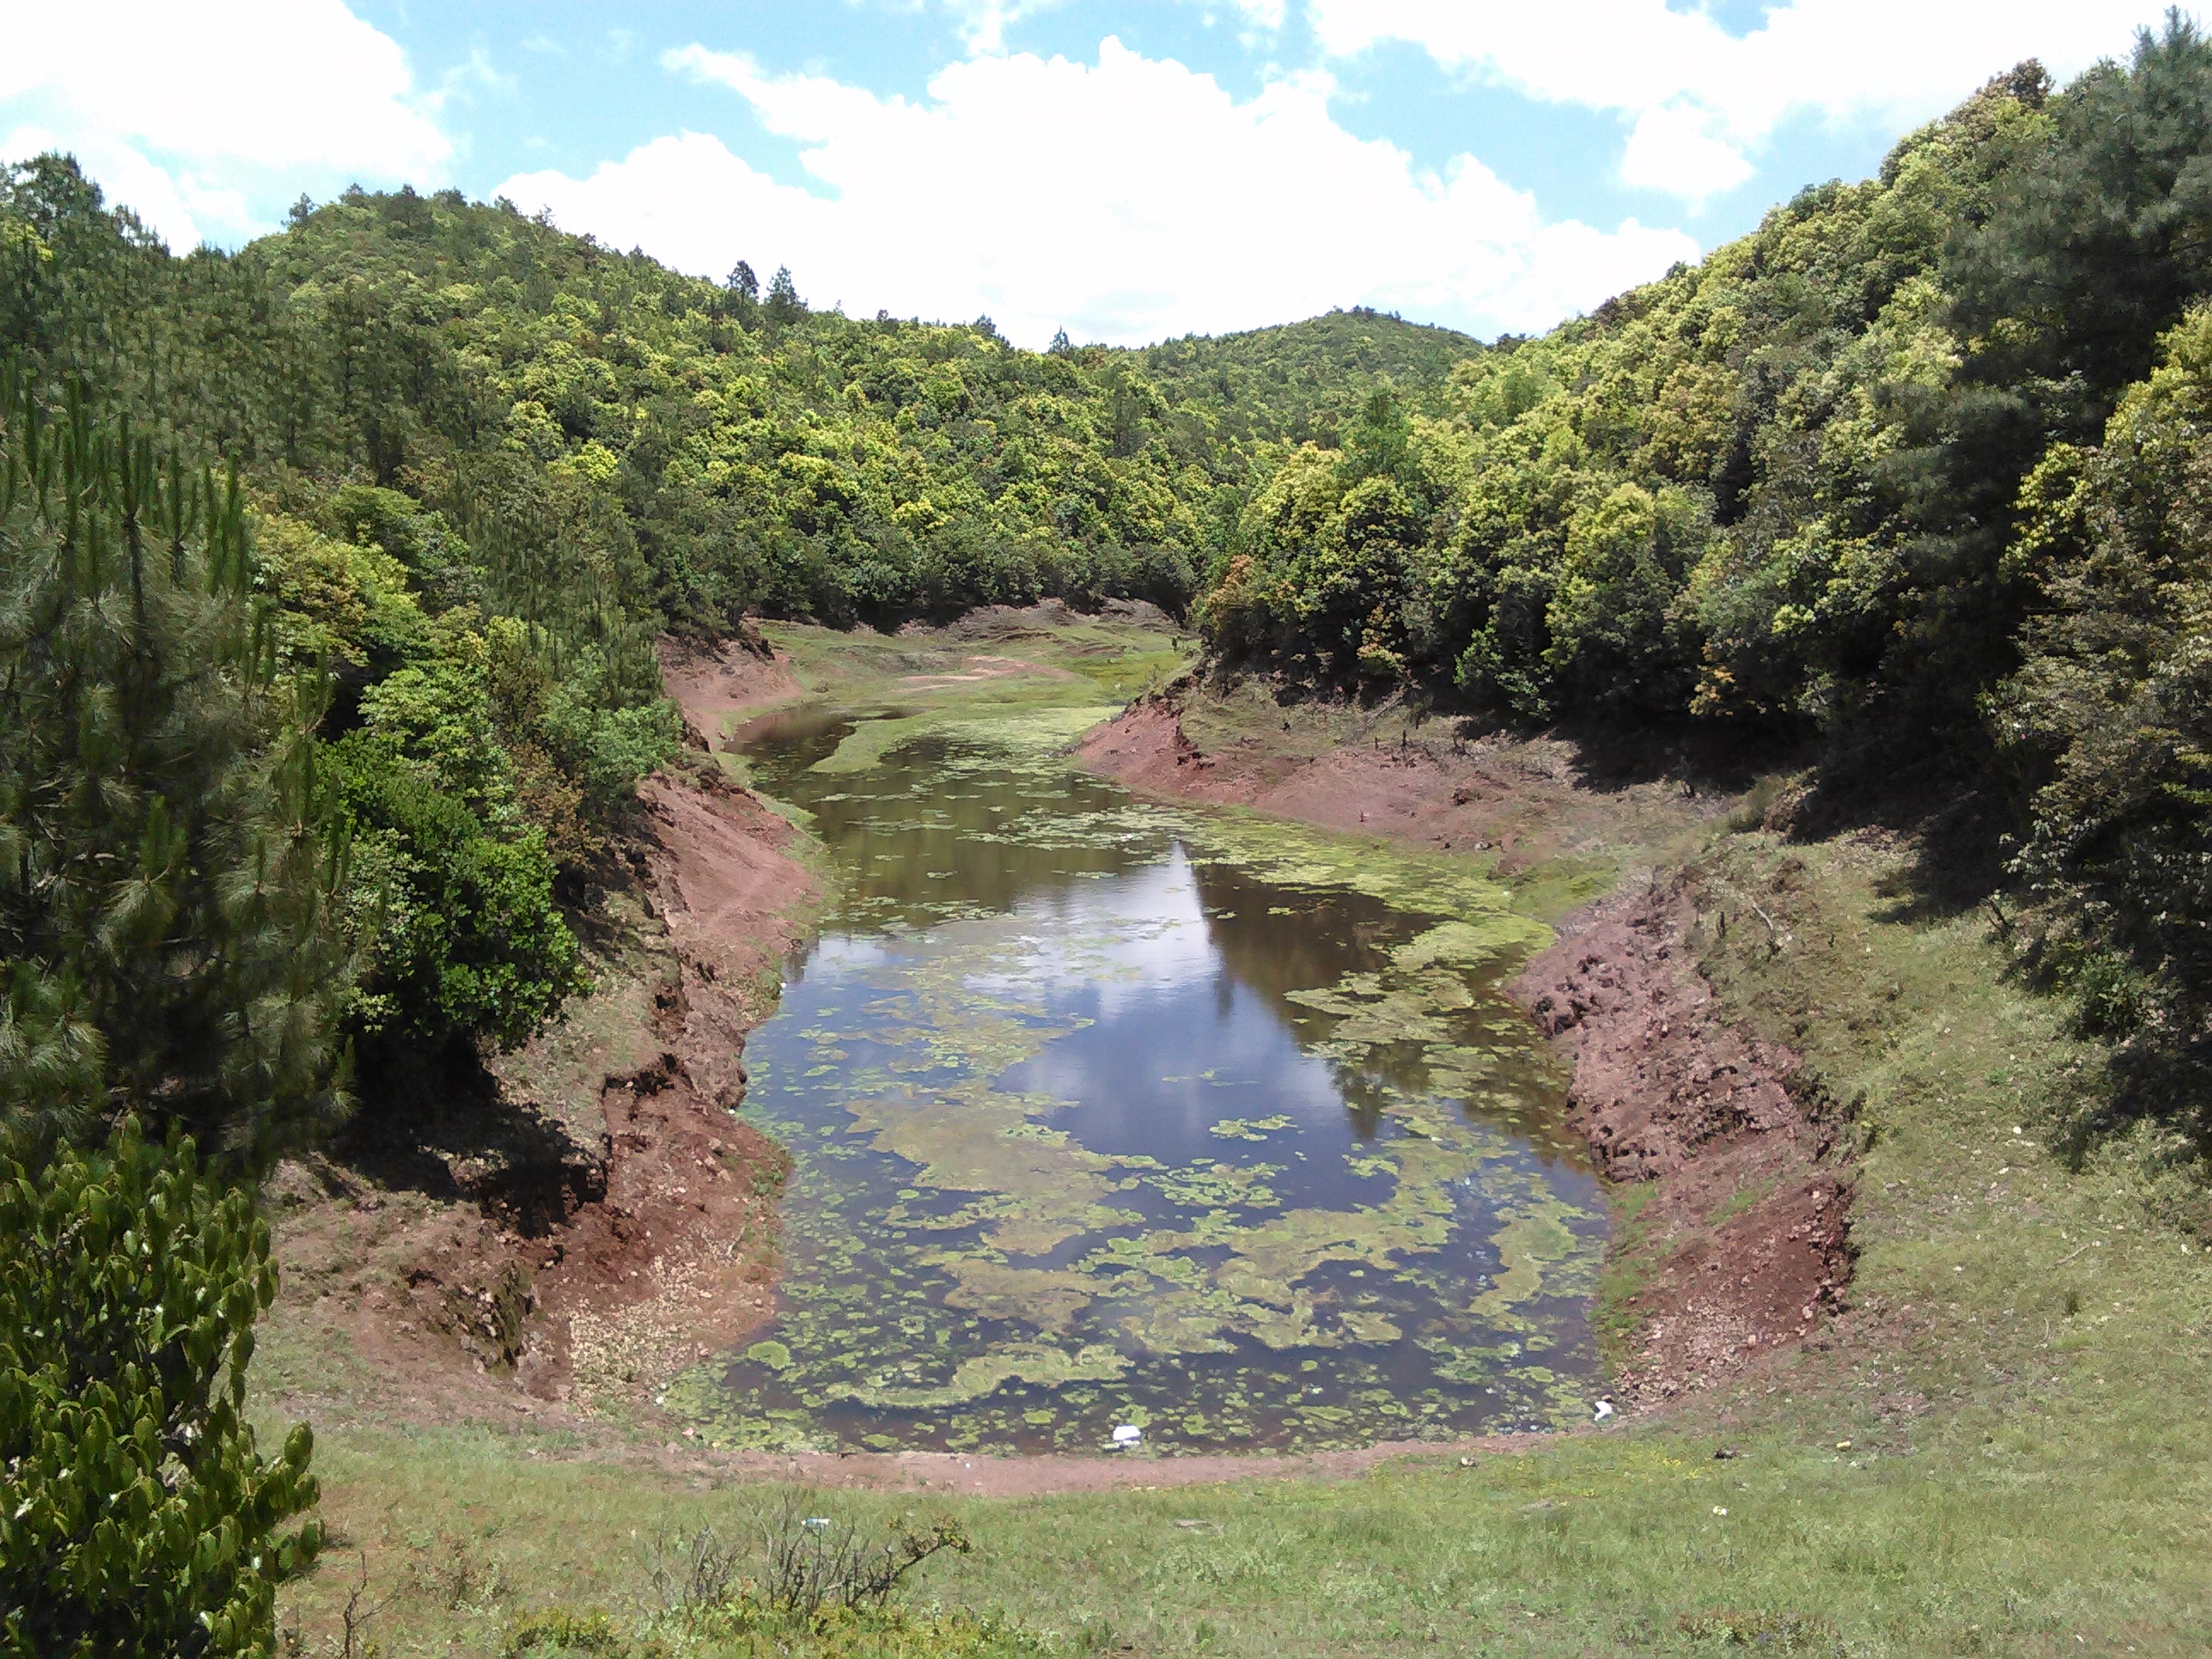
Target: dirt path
pixel 1739 1245
pixel 1047 1475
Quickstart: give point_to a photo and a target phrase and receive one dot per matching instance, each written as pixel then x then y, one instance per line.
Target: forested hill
pixel 762 455
pixel 451 470
pixel 1298 382
pixel 1916 475
pixel 1910 475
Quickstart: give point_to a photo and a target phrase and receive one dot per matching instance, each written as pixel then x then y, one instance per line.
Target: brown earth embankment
pixel 1733 1234
pixel 596 1217
pixel 632 1228
pixel 677 1260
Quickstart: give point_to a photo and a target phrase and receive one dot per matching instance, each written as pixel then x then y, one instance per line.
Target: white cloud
pixel 207 118
pixel 1705 101
pixel 464 80
pixel 1683 150
pixel 1124 200
pixel 983 23
pixel 1261 14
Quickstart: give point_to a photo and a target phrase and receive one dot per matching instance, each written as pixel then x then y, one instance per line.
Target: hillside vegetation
pixel 475 465
pixel 333 574
pixel 711 450
pixel 331 577
pixel 1913 474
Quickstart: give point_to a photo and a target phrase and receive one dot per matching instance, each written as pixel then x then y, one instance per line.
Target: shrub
pixel 800 1562
pixel 140 1518
pixel 466 937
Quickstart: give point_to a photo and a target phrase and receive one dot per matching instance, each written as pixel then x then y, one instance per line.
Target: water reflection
pixel 1095 1124
pixel 915 832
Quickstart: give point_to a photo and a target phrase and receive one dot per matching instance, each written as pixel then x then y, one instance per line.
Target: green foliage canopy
pixel 169 851
pixel 484 464
pixel 1886 476
pixel 2111 712
pixel 140 1519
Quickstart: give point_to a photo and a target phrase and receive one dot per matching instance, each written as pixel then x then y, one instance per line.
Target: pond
pixel 1106 1113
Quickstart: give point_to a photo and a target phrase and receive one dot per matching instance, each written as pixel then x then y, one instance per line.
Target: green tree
pixel 467 942
pixel 743 289
pixel 169 850
pixel 1617 617
pixel 2111 713
pixel 2095 243
pixel 784 305
pixel 140 1519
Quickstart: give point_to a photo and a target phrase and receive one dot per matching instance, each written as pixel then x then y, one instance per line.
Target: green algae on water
pixel 1106 1112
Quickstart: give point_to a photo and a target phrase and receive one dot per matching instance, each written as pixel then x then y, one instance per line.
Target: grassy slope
pixel 2020 1389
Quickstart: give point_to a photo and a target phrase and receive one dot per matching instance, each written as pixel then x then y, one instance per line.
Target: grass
pixel 1736 1203
pixel 2005 1448
pixel 1629 1268
pixel 1972 1536
pixel 1089 661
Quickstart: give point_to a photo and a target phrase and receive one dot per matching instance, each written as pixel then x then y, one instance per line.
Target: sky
pixel 1125 172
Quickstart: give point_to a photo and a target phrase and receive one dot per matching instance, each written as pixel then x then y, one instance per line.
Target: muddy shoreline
pixel 605 1218
pixel 678 1259
pixel 557 1284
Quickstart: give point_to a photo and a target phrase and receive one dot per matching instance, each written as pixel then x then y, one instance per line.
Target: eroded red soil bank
pixel 1734 1240
pixel 606 1219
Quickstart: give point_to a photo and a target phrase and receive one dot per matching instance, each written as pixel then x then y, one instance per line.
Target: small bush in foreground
pixel 1770 1632
pixel 744 1627
pixel 787 1579
pixel 564 1631
pixel 139 1518
pixel 801 1562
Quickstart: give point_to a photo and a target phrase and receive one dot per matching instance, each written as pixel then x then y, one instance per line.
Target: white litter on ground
pixel 1129 1434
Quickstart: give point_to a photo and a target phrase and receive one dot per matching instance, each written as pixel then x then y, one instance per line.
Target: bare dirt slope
pixel 717 686
pixel 1530 802
pixel 677 1258
pixel 1734 1234
pixel 599 1217
pixel 1740 1233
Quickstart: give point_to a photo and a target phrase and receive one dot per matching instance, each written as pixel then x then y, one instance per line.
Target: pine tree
pixel 169 848
pixel 784 305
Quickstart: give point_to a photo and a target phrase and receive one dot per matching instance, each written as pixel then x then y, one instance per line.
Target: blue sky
pixel 1125 171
